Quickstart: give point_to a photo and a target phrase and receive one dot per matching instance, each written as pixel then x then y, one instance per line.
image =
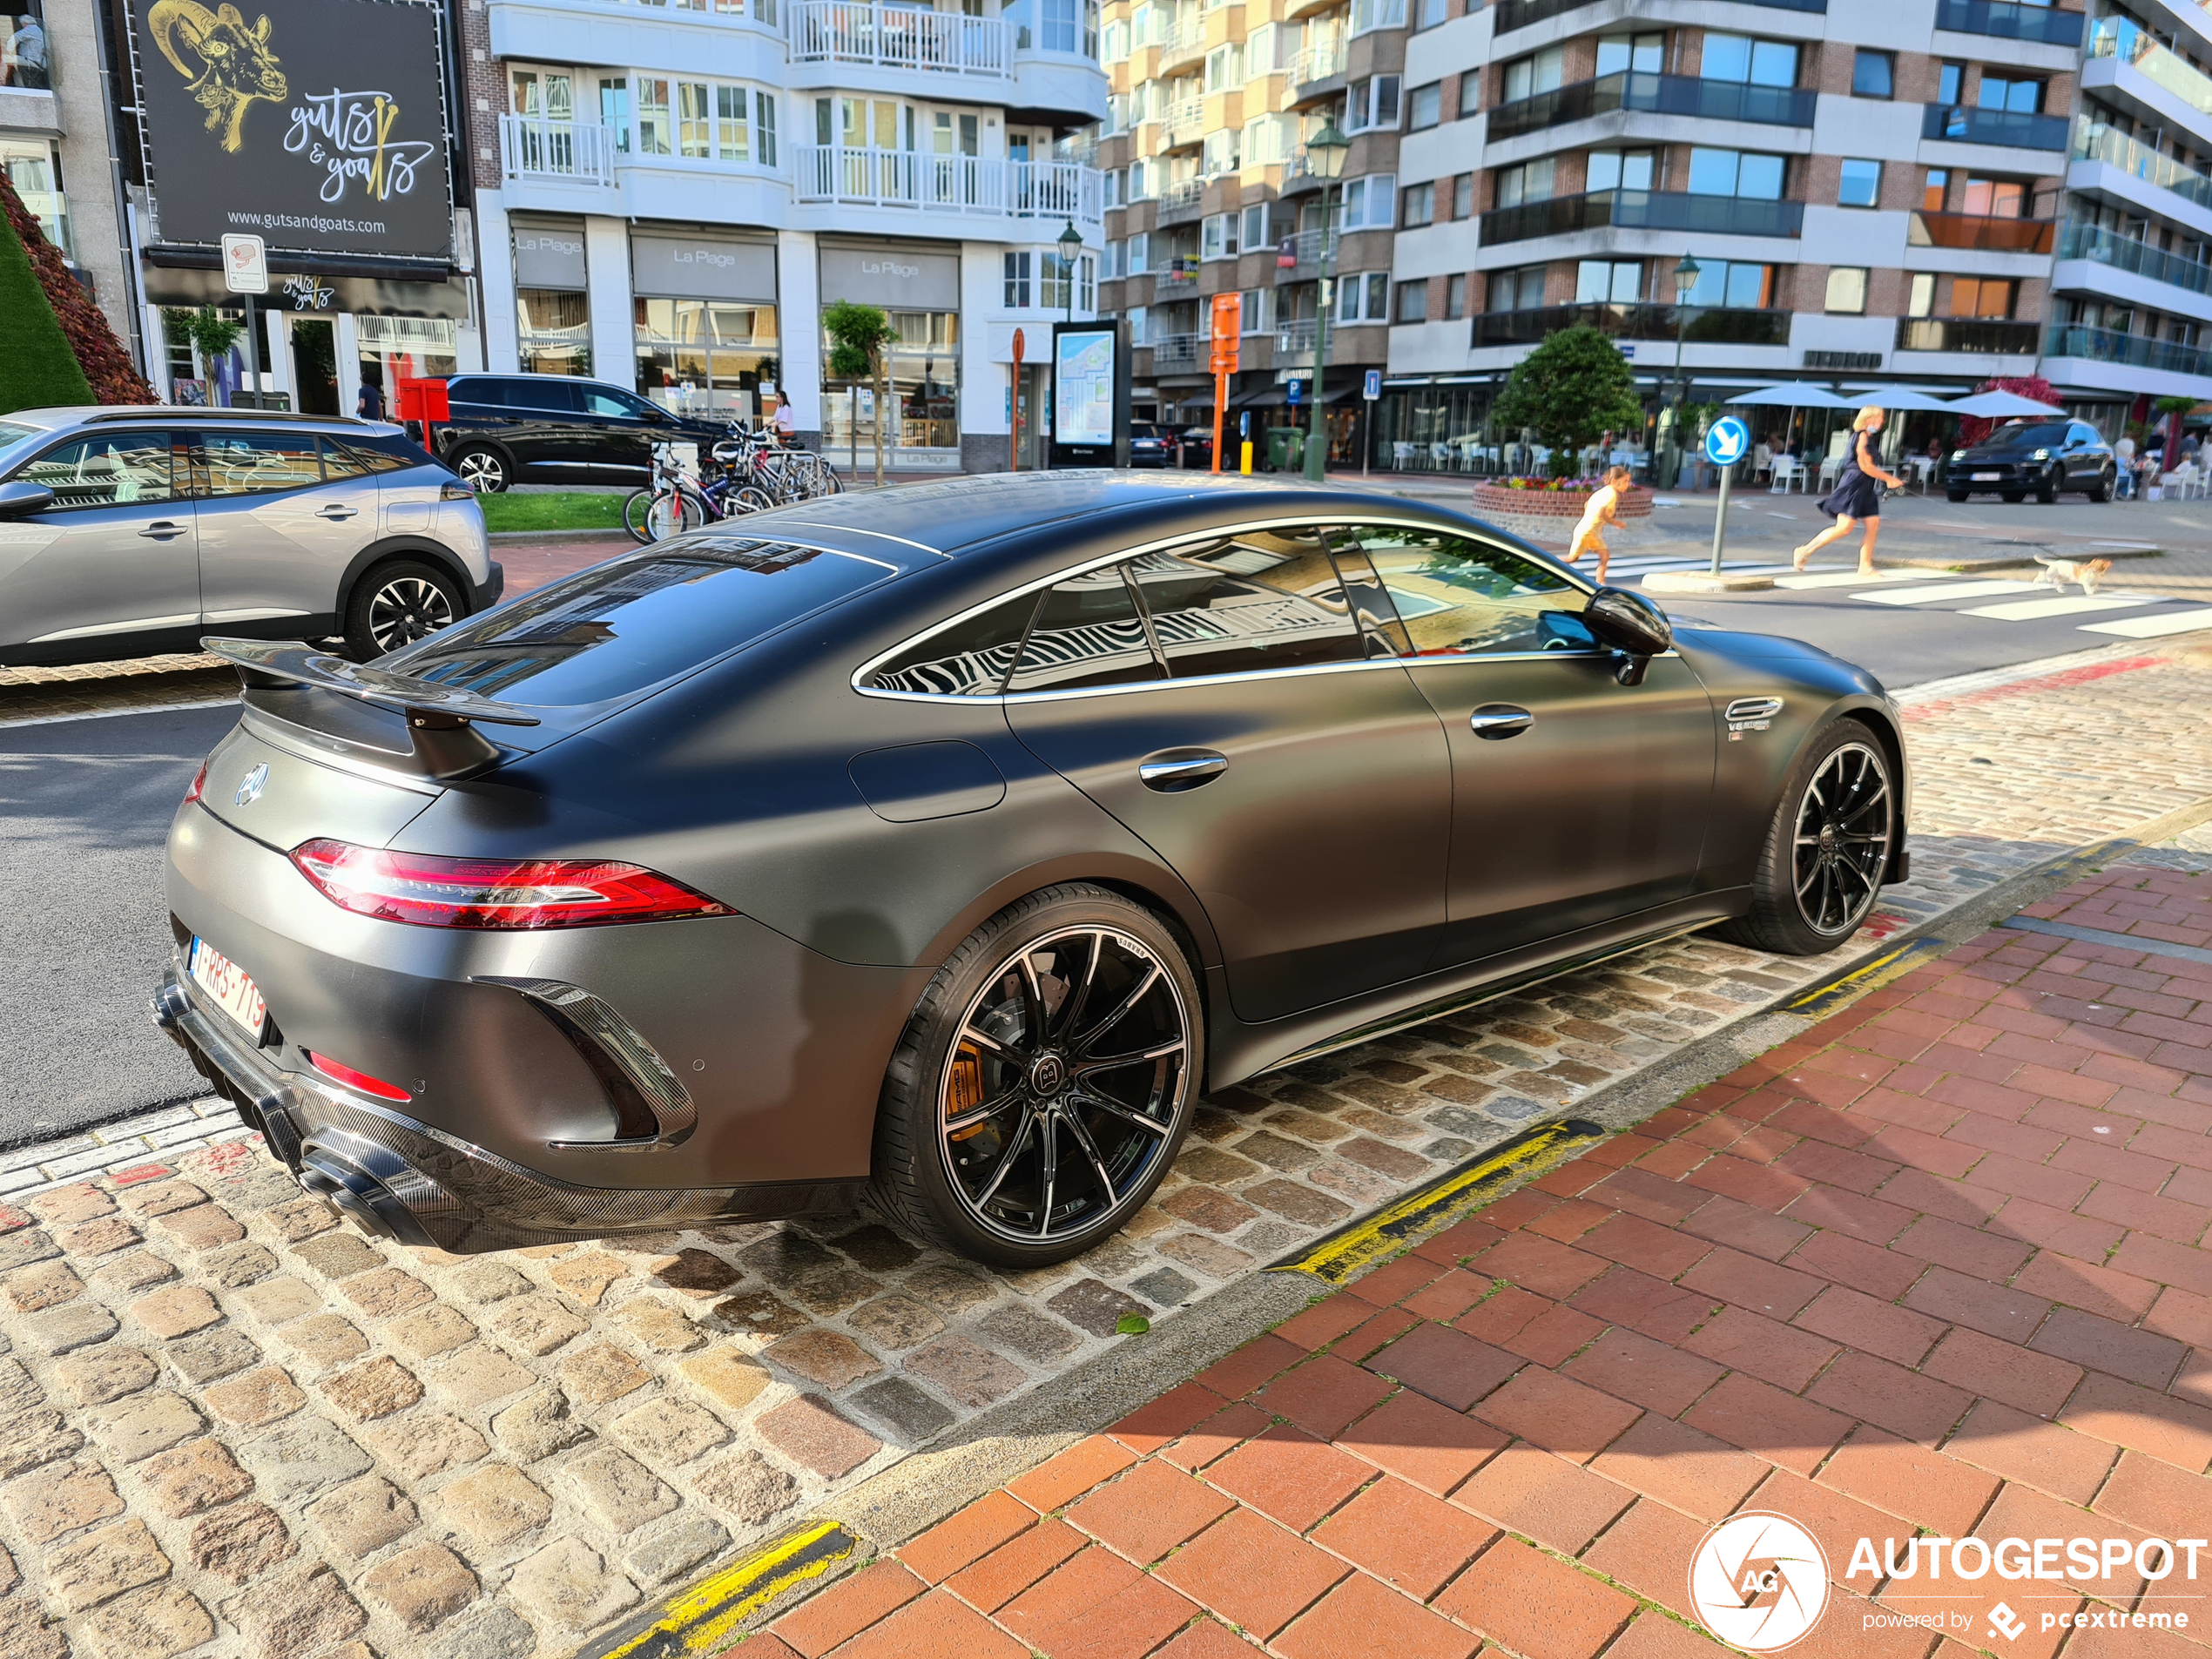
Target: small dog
pixel 2058 572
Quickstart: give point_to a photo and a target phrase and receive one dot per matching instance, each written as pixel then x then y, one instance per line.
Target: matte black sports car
pixel 948 842
pixel 2046 456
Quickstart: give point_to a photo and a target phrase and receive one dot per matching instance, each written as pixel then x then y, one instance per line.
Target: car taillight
pixel 433 892
pixel 198 784
pixel 356 1080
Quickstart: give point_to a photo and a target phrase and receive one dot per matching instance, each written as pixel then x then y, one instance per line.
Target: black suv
pixel 557 429
pixel 2046 456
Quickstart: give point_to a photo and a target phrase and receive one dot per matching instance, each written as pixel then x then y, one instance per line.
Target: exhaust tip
pixel 360 1197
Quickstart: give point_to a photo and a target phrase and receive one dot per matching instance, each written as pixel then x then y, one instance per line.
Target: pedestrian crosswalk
pixel 2003 599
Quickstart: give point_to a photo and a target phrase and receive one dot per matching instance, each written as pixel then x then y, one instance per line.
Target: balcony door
pixel 872 141
pixel 545 136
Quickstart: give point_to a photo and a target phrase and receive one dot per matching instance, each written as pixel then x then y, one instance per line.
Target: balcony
pixel 1980 336
pixel 1705 100
pixel 1370 14
pixel 1305 252
pixel 2136 351
pixel 1178 276
pixel 1181 201
pixel 2121 40
pixel 907 178
pixel 1183 123
pixel 823 32
pixel 2003 21
pixel 1519 14
pixel 2124 253
pixel 2139 160
pixel 1294 343
pixel 2014 129
pixel 1179 354
pixel 1184 40
pixel 575 152
pixel 1709 324
pixel 1643 210
pixel 1313 64
pixel 1980 234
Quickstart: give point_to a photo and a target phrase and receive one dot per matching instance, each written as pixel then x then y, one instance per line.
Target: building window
pixel 1994 198
pixel 1463 196
pixel 1873 74
pixel 1455 298
pixel 1372 104
pixel 1645 53
pixel 1529 182
pixel 1255 225
pixel 1364 297
pixel 1543 71
pixel 1620 169
pixel 553 332
pixel 1734 172
pixel 1847 289
pixel 923 367
pixel 1412 302
pixel 764 127
pixel 1990 297
pixel 1139 246
pixel 1425 108
pixel 1931 193
pixel 1419 205
pixel 1861 184
pixel 1054 273
pixel 614 109
pixel 27 68
pixel 2020 97
pixel 1224 69
pixel 1370 204
pixel 698 355
pixel 1950 82
pixel 1921 302
pixel 1221 152
pixel 1429 13
pixel 655 134
pixel 1521 290
pixel 1470 93
pixel 1217 237
pixel 1735 284
pixel 1608 281
pixel 1252 311
pixel 1017 281
pixel 34 167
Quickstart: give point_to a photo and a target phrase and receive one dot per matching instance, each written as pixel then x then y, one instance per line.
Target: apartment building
pixel 1207 191
pixel 1886 191
pixel 670 194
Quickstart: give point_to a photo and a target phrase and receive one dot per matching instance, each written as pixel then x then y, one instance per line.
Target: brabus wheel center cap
pixel 1049 1075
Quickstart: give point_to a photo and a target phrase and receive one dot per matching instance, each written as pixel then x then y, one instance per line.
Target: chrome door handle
pixel 162 529
pixel 1169 771
pixel 336 510
pixel 1494 721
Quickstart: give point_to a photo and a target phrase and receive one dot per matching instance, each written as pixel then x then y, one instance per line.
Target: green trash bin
pixel 1285 448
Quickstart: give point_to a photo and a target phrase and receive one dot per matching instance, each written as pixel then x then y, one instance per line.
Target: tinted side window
pixel 970 659
pixel 481 390
pixel 2078 434
pixel 1088 632
pixel 339 462
pixel 1259 599
pixel 598 401
pixel 256 463
pixel 112 471
pixel 544 395
pixel 1457 596
pixel 383 451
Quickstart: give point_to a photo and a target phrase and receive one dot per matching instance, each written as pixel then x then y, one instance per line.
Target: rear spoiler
pixel 441 719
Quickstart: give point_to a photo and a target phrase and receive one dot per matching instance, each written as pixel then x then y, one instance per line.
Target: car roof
pixel 948 516
pixel 54 420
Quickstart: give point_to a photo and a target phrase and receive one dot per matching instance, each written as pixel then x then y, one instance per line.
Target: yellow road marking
pixel 703 1619
pixel 1891 964
pixel 1336 1258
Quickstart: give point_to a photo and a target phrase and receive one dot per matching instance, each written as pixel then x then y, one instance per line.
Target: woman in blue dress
pixel 1855 497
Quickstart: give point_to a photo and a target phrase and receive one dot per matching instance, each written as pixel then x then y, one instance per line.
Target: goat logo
pixel 235 64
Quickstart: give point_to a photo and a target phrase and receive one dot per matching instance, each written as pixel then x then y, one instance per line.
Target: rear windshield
pixel 624 626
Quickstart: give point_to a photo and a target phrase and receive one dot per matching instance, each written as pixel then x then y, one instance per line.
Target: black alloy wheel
pixel 399 605
pixel 1827 849
pixel 1045 1082
pixel 2053 480
pixel 2103 489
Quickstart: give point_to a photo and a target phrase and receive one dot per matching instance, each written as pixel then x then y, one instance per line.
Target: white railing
pixel 1184 197
pixel 530 147
pixel 1046 190
pixel 1317 62
pixel 1183 40
pixel 1184 121
pixel 1179 272
pixel 897 38
pixel 1306 245
pixel 1296 339
pixel 1178 351
pixel 764 12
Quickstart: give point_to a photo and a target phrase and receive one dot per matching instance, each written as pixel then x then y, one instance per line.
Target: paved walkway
pixel 1937 1268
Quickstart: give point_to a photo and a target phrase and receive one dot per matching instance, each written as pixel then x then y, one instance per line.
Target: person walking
pixel 1856 498
pixel 1601 508
pixel 370 405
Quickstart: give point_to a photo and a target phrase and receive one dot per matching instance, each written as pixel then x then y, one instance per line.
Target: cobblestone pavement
pixel 233 1428
pixel 1937 1267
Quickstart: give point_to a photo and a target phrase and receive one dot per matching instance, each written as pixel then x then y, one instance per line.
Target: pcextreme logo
pixel 1759 1582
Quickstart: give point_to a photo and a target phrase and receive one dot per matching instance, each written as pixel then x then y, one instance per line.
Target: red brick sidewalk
pixel 1939 1266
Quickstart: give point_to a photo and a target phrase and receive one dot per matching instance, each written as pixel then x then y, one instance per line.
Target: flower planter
pixel 1534 500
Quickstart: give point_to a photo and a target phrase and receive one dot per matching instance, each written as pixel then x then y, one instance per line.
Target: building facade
pixel 669 196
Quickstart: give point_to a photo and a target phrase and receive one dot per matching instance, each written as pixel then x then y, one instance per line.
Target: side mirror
pixel 1631 624
pixel 20 499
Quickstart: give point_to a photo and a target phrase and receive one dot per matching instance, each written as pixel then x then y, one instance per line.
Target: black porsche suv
pixel 557 429
pixel 2044 456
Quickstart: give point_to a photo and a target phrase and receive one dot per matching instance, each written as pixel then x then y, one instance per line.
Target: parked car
pixel 2045 456
pixel 557 429
pixel 132 531
pixel 958 854
pixel 1153 445
pixel 1197 447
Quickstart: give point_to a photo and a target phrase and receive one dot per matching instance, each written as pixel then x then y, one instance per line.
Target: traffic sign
pixel 1372 389
pixel 1295 390
pixel 1728 441
pixel 246 265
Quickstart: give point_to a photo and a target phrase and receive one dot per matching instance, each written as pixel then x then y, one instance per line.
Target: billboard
pixel 319 125
pixel 1082 384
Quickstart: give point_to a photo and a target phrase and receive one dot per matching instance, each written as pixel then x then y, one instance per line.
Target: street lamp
pixel 1071 243
pixel 1325 154
pixel 1685 280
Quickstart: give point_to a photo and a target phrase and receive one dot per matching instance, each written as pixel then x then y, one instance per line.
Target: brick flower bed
pixel 1499 500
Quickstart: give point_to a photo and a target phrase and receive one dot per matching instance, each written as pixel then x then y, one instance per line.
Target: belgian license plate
pixel 1988 478
pixel 225 981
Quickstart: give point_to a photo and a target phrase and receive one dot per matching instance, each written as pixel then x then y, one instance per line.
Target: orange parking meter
pixel 1227 308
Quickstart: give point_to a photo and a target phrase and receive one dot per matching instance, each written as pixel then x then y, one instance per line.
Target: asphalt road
pixel 84 807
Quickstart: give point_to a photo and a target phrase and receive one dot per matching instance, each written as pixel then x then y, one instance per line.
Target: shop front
pixel 706 327
pixel 918 285
pixel 552 297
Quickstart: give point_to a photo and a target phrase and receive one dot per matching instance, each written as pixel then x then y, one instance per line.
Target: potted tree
pixel 1569 392
pixel 860 337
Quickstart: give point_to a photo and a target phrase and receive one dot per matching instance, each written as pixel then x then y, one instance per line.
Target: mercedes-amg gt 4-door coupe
pixel 938 849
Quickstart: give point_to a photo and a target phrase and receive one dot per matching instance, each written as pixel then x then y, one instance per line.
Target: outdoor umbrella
pixel 1899 397
pixel 1796 395
pixel 1998 406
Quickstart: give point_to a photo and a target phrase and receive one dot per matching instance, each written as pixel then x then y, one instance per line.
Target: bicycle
pixel 785 475
pixel 675 501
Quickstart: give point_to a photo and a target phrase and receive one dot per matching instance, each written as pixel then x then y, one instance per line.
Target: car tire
pixel 2101 490
pixel 484 469
pixel 1810 898
pixel 988 1074
pixel 397 604
pixel 2048 487
pixel 1954 494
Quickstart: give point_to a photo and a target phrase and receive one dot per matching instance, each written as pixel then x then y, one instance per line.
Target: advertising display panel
pixel 1082 373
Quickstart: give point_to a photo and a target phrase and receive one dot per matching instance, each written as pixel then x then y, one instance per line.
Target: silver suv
pixel 127 532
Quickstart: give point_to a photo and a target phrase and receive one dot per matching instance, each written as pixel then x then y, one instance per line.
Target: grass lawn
pixel 598 510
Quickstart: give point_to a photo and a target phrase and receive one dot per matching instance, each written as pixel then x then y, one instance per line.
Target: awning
pixel 361 296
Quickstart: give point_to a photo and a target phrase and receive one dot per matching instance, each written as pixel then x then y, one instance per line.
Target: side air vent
pixel 652 1107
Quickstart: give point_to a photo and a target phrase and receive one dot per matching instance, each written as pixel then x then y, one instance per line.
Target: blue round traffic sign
pixel 1727 442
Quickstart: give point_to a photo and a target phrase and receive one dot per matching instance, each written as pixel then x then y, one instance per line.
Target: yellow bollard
pixel 1245 465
